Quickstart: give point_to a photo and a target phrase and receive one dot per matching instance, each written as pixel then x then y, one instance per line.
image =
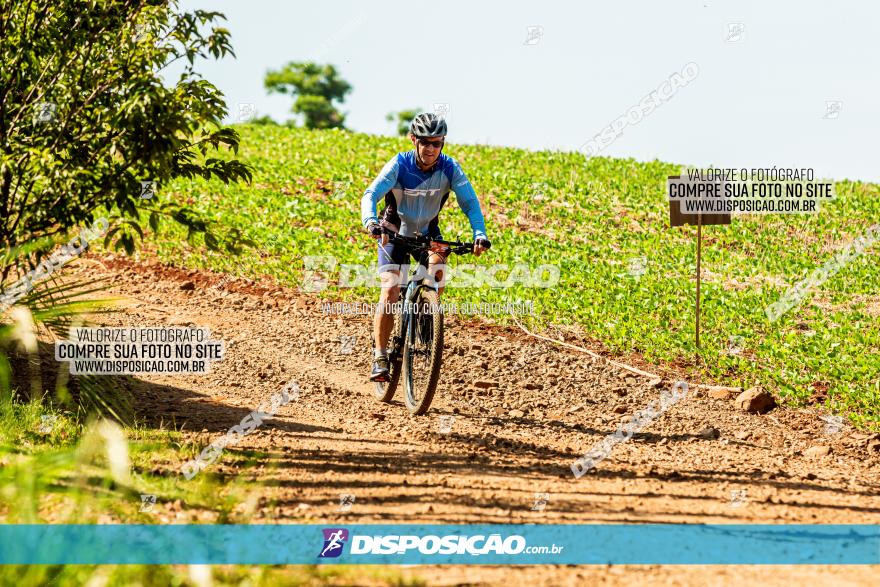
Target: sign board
pixel 679 218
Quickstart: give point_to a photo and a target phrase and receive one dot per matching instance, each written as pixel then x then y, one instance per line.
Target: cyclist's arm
pixel 377 190
pixel 468 201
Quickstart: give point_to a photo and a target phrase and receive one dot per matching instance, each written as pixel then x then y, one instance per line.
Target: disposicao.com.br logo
pixel 476 545
pixel 334 541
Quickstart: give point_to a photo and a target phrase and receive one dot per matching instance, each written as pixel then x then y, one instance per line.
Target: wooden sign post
pixel 679 218
pixel 699 273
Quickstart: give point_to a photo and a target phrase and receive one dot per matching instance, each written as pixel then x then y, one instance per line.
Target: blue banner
pixel 493 544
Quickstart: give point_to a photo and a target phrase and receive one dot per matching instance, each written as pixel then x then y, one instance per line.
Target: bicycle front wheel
pixel 422 352
pixel 384 390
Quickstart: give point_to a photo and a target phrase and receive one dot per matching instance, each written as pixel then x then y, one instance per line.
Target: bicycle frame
pixel 407 325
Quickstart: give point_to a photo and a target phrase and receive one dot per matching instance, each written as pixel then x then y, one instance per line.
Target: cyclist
pixel 414 185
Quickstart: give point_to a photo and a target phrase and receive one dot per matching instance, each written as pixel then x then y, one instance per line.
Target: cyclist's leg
pixel 384 319
pixel 437 270
pixel 390 260
pixel 435 262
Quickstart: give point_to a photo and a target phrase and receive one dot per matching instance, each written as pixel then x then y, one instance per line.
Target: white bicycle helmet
pixel 428 124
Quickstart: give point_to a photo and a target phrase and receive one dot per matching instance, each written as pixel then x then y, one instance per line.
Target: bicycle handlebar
pixel 427 242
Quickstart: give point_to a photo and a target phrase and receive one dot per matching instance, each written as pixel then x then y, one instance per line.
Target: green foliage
pixel 316 88
pixel 591 217
pixel 85 116
pixel 402 119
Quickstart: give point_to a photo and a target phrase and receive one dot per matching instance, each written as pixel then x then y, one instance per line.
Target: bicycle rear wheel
pixel 422 352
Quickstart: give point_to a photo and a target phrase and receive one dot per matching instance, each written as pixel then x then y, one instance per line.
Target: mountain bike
pixel 416 347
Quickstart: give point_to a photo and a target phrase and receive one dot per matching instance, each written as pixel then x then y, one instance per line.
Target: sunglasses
pixel 427 143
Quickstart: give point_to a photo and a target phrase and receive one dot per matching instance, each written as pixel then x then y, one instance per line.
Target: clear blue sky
pixel 758 101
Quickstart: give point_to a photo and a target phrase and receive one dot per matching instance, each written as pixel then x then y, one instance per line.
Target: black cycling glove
pixel 374 228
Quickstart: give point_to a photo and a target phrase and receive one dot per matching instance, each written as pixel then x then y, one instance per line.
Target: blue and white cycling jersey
pixel 414 197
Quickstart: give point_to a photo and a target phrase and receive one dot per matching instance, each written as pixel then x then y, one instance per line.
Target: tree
pixel 316 88
pixel 85 118
pixel 402 119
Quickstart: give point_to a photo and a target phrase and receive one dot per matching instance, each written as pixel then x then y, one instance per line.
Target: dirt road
pixel 520 418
